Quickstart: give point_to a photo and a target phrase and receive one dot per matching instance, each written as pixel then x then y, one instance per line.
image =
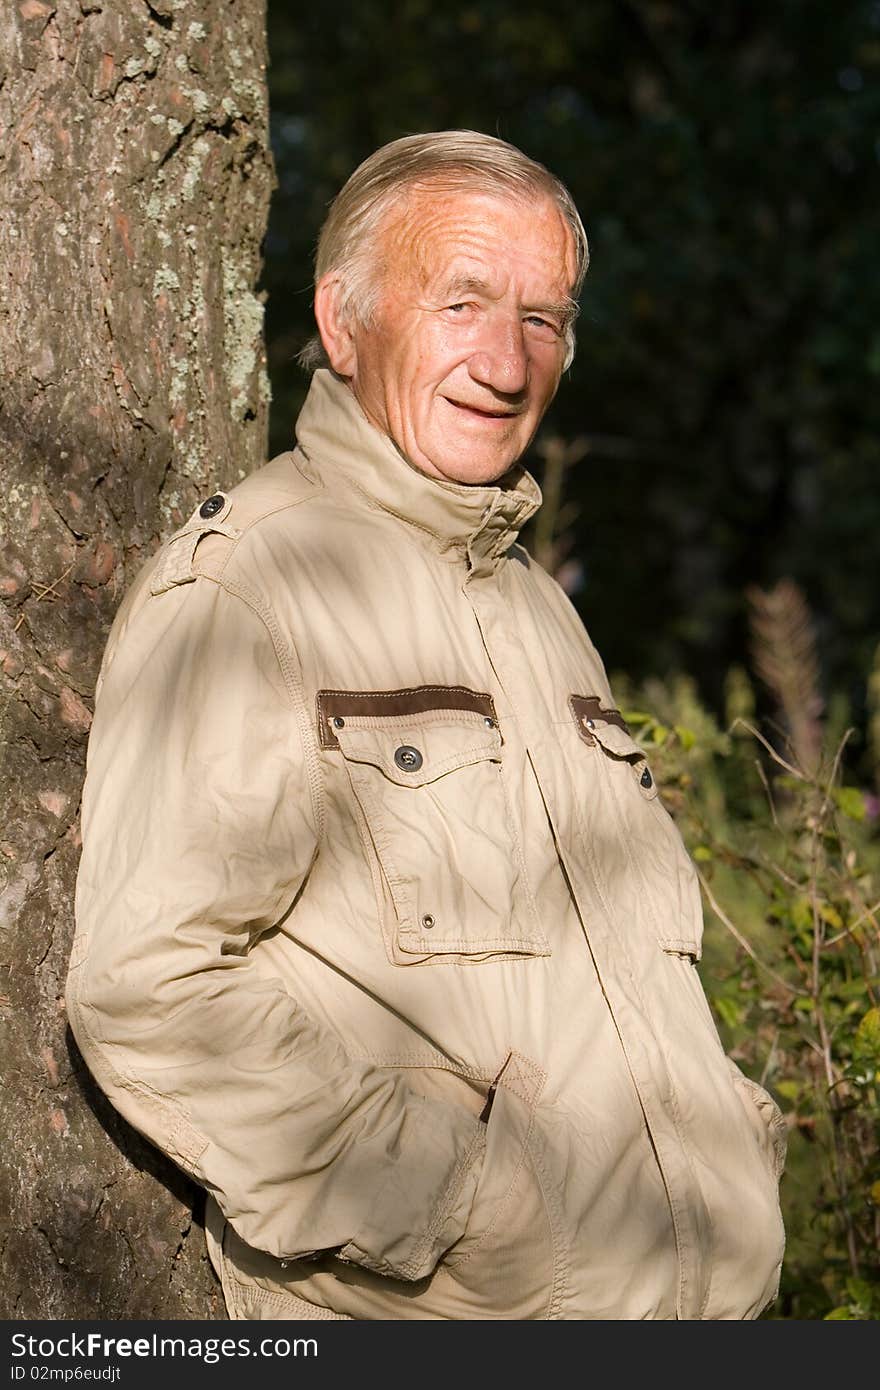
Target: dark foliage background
pixel 725 160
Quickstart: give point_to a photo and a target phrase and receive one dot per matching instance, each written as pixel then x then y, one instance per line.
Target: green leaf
pixel 804 1005
pixel 830 915
pixel 686 737
pixel 854 989
pixel 791 784
pixel 860 1291
pixel 839 1315
pixel 637 716
pixel 729 1010
pixel 851 802
pixel 702 854
pixel 801 912
pixel 866 1043
pixel 789 1090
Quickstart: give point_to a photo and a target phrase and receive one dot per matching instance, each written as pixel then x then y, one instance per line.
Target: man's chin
pixel 474 473
pixel 472 466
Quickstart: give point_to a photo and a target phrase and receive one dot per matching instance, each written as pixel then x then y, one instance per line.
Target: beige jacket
pixel 383 933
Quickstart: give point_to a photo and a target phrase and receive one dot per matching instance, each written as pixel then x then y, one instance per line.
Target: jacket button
pixel 646 779
pixel 428 921
pixel 338 722
pixel 213 505
pixel 490 723
pixel 408 759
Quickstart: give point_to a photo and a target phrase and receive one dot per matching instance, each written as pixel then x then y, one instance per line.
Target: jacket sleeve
pixel 199 829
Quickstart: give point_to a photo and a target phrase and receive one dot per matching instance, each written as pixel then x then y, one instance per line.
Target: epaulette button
pixel 212 506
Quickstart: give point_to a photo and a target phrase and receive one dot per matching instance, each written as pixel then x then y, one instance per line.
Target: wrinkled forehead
pixel 434 232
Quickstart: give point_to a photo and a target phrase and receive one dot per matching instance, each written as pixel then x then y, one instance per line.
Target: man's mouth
pixel 481 412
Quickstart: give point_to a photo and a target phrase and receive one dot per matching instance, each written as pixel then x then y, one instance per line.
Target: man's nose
pixel 500 360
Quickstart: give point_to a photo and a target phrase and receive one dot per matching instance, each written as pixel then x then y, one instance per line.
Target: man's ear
pixel 335 331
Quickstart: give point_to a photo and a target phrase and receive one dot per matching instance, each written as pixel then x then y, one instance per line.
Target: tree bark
pixel 134 186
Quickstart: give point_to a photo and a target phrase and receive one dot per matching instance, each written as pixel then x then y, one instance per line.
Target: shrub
pixel 789 860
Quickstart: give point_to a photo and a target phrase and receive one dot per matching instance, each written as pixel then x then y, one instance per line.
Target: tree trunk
pixel 134 187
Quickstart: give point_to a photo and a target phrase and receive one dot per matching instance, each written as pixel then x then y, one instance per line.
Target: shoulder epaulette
pixel 226 516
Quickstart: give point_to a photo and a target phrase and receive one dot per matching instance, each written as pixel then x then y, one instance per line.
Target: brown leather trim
pixel 417 699
pixel 590 707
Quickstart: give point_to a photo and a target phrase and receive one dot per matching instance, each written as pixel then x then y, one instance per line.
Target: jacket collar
pixel 479 522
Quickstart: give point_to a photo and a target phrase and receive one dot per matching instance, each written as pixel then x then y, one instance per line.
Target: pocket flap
pixel 690 946
pixel 414 751
pixel 616 741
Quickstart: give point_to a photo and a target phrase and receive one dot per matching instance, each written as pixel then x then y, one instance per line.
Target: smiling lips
pixel 480 413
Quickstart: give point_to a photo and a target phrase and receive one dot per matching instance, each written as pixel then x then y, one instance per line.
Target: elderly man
pixel 383 932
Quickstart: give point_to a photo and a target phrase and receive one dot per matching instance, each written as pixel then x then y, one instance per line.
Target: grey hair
pixel 456 160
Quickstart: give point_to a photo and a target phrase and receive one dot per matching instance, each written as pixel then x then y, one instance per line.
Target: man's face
pixel 467 343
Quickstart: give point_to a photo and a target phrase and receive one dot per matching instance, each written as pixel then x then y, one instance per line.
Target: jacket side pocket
pixel 505 1263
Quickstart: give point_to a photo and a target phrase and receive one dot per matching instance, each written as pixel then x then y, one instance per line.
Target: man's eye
pixel 456 308
pixel 538 322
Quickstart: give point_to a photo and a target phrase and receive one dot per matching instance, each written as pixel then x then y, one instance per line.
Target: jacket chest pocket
pixel 667 885
pixel 440 831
